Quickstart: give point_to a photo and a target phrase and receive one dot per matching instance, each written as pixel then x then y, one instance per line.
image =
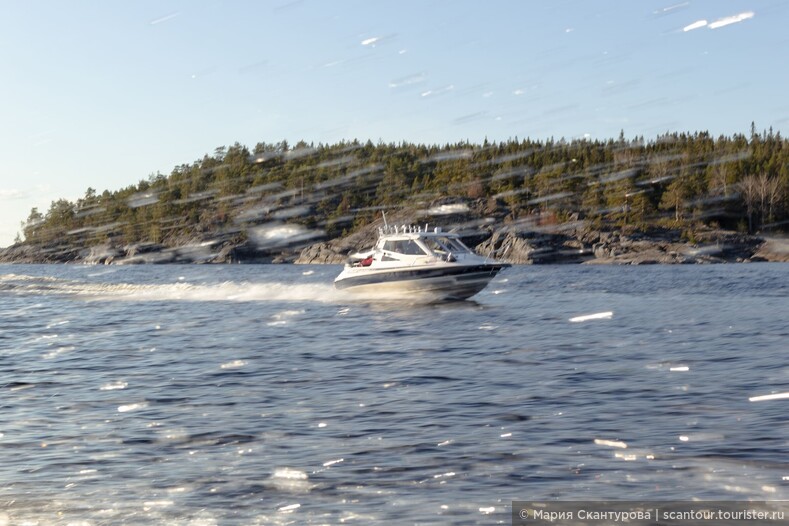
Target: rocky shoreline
pixel 575 243
pixel 586 246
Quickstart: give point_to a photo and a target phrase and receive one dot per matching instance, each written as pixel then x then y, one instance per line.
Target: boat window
pixel 406 246
pixel 435 246
pixel 455 245
pixel 443 245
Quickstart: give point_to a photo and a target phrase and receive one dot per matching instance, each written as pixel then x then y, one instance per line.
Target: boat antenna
pixel 383 213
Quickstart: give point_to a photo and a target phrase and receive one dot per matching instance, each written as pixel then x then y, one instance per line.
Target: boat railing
pixel 497 252
pixel 387 230
pixel 399 229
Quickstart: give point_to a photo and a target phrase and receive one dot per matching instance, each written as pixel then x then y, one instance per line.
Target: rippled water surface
pixel 240 394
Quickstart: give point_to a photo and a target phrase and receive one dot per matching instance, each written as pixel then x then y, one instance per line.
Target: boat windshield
pixel 405 246
pixel 443 245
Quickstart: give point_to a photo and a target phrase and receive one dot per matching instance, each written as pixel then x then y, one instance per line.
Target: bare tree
pixel 749 188
pixel 762 194
pixel 719 180
pixel 774 197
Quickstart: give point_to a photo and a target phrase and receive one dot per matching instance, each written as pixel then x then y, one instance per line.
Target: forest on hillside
pixel 676 180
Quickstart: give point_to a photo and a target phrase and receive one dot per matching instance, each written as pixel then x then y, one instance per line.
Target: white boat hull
pixel 432 283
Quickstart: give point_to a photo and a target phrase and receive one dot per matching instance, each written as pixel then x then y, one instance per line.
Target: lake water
pixel 203 395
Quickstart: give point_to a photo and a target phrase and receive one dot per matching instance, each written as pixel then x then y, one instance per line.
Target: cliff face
pixel 25 253
pixel 584 245
pixel 666 247
pixel 581 244
pixel 774 249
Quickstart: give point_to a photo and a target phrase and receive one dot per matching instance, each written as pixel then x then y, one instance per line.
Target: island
pixel 677 198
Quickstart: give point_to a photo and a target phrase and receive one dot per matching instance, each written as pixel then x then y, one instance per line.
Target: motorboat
pixel 414 261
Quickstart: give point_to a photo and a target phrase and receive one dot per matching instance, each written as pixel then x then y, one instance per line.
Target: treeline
pixel 676 180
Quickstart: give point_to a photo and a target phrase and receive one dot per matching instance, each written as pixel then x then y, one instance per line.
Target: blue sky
pixel 103 93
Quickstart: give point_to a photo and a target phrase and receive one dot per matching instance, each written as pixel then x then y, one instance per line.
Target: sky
pixel 104 93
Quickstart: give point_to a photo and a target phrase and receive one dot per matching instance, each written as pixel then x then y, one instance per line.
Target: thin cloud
pixel 722 22
pixel 377 41
pixel 165 18
pixel 695 25
pixel 670 9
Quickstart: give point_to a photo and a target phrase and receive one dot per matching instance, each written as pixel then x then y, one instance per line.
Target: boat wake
pixel 195 292
pixel 227 291
pixel 180 291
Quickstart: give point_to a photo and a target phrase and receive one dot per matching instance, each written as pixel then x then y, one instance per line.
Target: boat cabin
pixel 409 244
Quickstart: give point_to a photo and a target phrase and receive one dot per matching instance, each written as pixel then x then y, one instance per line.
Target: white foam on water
pixel 228 291
pixel 596 316
pixel 290 508
pixel 112 386
pixel 202 292
pixel 235 364
pixel 177 291
pixel 610 443
pixel 289 480
pixel 773 396
pixel 125 408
